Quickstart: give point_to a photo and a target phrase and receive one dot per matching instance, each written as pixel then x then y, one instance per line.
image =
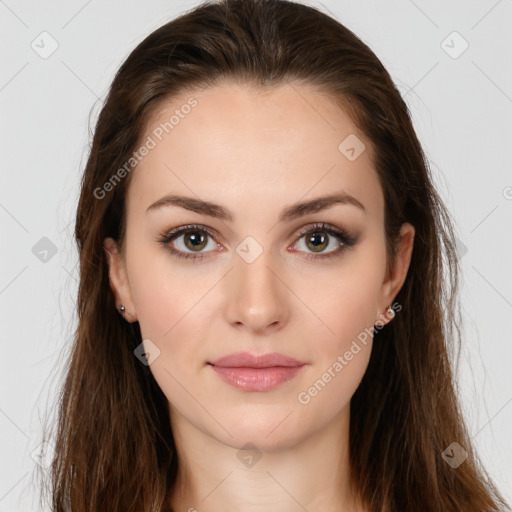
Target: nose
pixel 256 295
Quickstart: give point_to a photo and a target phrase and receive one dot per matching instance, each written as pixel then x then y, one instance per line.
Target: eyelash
pixel 340 234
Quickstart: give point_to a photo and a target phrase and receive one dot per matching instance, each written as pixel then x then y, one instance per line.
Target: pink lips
pixel 256 373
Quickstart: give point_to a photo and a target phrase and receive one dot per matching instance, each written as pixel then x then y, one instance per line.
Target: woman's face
pixel 252 281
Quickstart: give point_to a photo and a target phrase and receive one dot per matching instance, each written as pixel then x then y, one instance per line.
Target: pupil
pixel 197 240
pixel 321 243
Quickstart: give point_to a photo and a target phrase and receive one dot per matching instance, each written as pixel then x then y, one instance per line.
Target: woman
pixel 265 314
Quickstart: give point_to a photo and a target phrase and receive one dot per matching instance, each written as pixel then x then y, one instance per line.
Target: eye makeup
pixel 329 231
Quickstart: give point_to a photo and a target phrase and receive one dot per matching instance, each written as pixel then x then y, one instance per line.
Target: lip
pixel 256 372
pixel 248 360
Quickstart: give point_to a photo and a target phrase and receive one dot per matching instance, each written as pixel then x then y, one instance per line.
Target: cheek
pixel 343 351
pixel 330 387
pixel 169 309
pixel 165 301
pixel 346 306
pixel 164 293
pixel 346 301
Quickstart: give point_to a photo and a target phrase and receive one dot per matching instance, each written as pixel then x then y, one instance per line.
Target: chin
pixel 269 433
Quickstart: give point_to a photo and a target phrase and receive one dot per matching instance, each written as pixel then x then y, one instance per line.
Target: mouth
pixel 256 372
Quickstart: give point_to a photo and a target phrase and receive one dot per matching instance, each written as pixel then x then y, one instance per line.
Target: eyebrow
pixel 289 213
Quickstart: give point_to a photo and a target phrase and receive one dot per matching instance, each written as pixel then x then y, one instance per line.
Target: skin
pixel 256 153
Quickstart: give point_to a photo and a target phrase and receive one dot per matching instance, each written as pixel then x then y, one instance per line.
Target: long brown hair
pixel 114 447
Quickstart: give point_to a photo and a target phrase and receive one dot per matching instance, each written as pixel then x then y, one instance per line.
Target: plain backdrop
pixel 452 63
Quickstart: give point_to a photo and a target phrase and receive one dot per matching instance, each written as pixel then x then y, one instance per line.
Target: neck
pixel 308 474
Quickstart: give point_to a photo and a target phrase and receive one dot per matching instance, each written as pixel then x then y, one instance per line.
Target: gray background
pixel 461 103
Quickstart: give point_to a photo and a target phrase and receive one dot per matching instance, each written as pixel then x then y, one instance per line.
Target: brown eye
pixel 188 241
pixel 195 240
pixel 317 241
pixel 191 241
pixel 319 237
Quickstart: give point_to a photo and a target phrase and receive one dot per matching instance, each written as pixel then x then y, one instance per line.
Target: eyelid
pixel 346 240
pixel 329 228
pixel 170 234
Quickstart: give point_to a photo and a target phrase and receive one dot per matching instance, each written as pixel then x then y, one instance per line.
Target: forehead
pixel 240 146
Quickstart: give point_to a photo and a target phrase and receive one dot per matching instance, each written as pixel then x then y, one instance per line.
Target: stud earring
pixel 122 310
pixel 389 312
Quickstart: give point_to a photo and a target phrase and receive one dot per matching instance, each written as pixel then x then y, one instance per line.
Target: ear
pixel 396 277
pixel 118 278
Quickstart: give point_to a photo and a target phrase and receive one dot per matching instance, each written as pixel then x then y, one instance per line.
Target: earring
pixel 388 313
pixel 122 310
